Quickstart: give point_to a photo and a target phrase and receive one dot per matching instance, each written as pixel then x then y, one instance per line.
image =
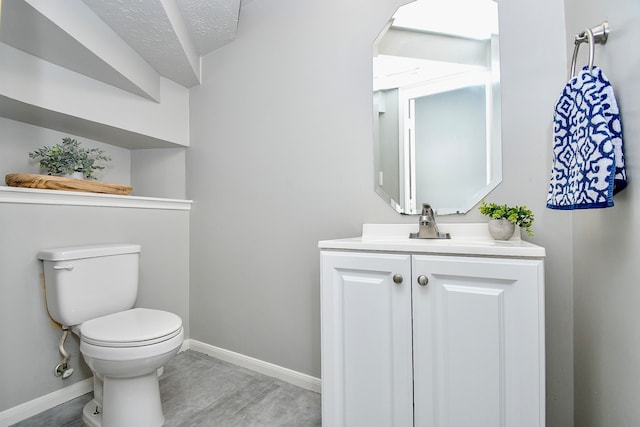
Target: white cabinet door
pixel 478 342
pixel 366 340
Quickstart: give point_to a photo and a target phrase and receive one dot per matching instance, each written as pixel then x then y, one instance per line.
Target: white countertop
pixel 466 239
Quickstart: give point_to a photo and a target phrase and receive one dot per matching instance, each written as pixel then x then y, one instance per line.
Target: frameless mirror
pixel 436 106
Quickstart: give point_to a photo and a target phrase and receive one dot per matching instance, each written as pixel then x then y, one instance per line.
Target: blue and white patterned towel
pixel 588 159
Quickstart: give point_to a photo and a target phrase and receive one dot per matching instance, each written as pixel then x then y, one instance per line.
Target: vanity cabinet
pixel 431 340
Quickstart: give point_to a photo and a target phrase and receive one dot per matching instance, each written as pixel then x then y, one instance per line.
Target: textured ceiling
pixel 126 44
pixel 212 23
pixel 120 42
pixel 171 35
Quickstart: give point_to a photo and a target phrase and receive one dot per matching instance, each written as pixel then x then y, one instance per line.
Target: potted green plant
pixel 68 158
pixel 503 219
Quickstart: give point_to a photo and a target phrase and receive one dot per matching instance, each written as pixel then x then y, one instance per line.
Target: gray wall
pixel 159 172
pixel 281 157
pixel 605 243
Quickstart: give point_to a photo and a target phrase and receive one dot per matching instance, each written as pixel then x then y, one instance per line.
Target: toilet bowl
pixel 124 351
pixel 92 290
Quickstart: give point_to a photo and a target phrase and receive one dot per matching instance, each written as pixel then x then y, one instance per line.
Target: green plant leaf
pixel 518 215
pixel 68 157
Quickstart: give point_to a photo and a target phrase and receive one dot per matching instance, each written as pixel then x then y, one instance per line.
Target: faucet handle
pixel 427 211
pixel 427 227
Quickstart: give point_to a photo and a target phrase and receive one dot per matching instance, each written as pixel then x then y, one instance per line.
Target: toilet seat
pixel 137 327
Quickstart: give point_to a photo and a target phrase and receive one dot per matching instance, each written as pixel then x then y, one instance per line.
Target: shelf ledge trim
pixel 74 198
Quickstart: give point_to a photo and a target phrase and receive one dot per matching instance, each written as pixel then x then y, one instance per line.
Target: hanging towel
pixel 588 159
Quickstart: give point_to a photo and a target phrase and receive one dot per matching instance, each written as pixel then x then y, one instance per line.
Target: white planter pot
pixel 75 175
pixel 501 229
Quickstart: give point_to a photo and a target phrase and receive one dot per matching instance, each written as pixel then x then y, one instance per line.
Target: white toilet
pixel 92 290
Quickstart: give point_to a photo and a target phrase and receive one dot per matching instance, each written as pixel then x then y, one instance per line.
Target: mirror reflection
pixel 436 105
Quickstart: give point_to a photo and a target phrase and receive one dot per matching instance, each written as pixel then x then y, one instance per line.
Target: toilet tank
pixel 85 282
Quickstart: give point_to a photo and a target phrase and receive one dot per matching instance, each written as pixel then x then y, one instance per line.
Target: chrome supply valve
pixel 63 369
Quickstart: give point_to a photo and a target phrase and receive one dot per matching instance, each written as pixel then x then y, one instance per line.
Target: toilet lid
pixel 131 328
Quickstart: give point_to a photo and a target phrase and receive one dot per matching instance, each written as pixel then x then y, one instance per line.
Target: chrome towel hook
pixel 598 34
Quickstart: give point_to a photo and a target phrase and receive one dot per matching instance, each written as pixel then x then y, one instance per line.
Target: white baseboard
pixel 296 378
pixel 48 401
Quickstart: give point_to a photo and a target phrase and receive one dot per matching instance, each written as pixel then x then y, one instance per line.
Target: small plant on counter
pixel 518 215
pixel 68 157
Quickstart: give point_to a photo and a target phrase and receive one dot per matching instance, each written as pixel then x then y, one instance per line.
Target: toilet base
pixel 126 402
pixel 92 414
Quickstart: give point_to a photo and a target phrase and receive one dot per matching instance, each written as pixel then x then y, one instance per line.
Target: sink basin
pixel 466 239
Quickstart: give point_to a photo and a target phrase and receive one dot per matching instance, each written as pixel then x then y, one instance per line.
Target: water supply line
pixel 62 369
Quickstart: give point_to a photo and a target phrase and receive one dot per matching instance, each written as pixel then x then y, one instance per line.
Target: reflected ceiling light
pixel 394 71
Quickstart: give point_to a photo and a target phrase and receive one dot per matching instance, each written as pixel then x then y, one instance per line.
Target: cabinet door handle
pixel 397 279
pixel 423 280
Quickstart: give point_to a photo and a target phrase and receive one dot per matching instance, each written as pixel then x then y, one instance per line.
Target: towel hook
pixel 598 34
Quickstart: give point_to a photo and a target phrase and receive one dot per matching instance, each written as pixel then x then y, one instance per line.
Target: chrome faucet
pixel 427 227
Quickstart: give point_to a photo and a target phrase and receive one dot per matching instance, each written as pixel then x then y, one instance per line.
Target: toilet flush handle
pixel 63 267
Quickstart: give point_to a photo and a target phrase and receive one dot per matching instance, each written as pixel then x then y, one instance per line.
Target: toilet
pixel 92 290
